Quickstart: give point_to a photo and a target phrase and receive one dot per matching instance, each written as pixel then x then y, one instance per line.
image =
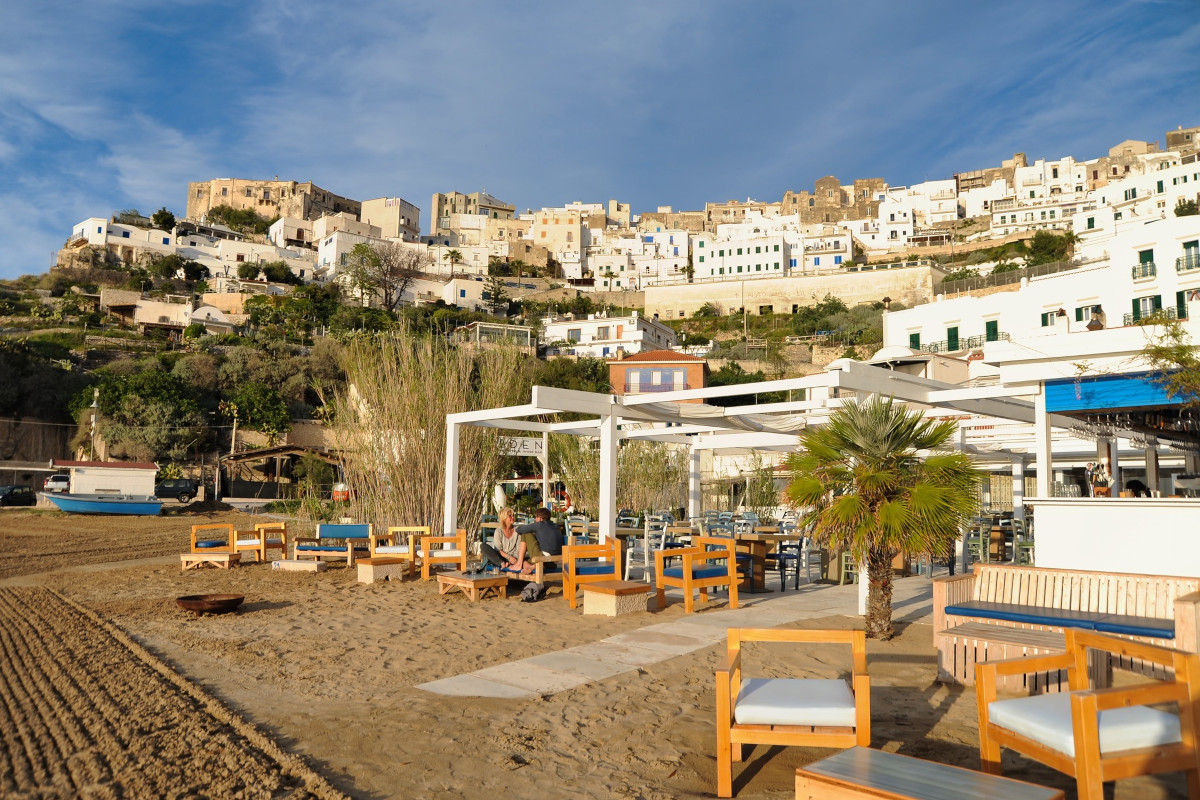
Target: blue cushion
pixel 1137 626
pixel 714 571
pixel 1084 620
pixel 339 531
pixel 207 543
pixel 596 569
pixel 320 548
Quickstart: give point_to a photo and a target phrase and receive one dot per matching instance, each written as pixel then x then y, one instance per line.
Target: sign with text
pixel 521 446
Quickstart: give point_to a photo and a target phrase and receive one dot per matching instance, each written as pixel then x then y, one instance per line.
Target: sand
pixel 326 667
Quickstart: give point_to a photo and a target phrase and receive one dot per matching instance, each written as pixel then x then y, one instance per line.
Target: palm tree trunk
pixel 879 595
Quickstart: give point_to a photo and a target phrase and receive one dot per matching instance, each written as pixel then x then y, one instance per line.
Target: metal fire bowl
pixel 210 603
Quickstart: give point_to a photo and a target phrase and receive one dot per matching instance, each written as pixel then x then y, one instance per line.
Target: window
pixel 249 192
pixel 991 330
pixel 1145 306
pixel 701 259
pixel 224 191
pixel 602 332
pixel 837 259
pixel 721 253
pixel 739 251
pixel 776 265
pixel 758 267
pixel 462 293
pixel 758 249
pixel 776 248
pixel 1048 318
pixel 124 234
pixel 817 261
pixel 1131 194
pixel 99 229
pixel 1031 193
pixel 792 263
pixel 574 335
pixel 952 338
pixel 241 257
pixel 1160 187
pixel 700 243
pixel 166 240
pixel 676 251
pixel 739 268
pixel 1052 213
pixel 1054 172
pixel 1118 215
pixel 914 341
pixel 722 271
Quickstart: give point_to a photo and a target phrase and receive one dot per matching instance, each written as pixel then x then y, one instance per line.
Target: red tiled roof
pixel 655 356
pixel 54 462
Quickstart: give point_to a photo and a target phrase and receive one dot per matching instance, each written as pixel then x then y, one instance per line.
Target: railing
pixel 1146 269
pixel 1188 262
pixel 642 388
pixel 965 343
pixel 1012 276
pixel 1153 317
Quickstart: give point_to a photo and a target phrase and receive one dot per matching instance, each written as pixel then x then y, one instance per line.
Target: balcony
pixel 964 343
pixel 1188 262
pixel 1153 317
pixel 639 388
pixel 1144 270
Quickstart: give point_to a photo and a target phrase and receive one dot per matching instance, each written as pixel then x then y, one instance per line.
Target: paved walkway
pixel 550 673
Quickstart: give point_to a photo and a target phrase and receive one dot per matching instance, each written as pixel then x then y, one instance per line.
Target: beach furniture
pixel 265 537
pixel 1005 610
pixel 448 550
pixel 335 540
pixel 399 542
pixel 1096 735
pixel 382 568
pixel 473 586
pixel 639 551
pixel 211 538
pixel 589 563
pixel 793 712
pixel 614 598
pixel 861 773
pixel 700 570
pixel 221 559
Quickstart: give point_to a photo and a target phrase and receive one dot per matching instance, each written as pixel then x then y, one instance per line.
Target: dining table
pixel 761 541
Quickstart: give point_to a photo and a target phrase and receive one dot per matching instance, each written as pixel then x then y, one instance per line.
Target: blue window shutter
pixel 817 261
pixel 166 240
pixel 462 292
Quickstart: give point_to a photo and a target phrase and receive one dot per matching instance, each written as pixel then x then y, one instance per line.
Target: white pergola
pixel 997 424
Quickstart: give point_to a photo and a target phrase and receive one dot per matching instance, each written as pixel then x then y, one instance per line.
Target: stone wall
pixel 24 439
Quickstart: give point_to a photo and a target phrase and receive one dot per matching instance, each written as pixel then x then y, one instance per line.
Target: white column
pixel 1041 436
pixel 608 476
pixel 1018 492
pixel 1152 465
pixel 961 545
pixel 1114 449
pixel 864 586
pixel 450 512
pixel 693 483
pixel 544 460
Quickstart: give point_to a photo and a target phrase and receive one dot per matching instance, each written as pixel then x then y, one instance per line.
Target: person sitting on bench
pixel 507 551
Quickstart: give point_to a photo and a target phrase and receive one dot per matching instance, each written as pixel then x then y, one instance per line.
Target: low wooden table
pixel 860 773
pixel 473 586
pixel 614 598
pixel 221 559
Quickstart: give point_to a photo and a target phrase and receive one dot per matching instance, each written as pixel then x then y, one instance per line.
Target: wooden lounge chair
pixel 400 541
pixel 589 563
pixel 212 538
pixel 265 537
pixel 448 550
pixel 336 541
pixel 793 712
pixel 1095 735
pixel 699 570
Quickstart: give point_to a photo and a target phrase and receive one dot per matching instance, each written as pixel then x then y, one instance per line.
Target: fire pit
pixel 210 603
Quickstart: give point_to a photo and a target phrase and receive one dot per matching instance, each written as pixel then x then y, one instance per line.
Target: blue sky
pixel 105 106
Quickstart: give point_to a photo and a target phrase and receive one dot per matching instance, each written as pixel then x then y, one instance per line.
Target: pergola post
pixel 1018 488
pixel 1041 438
pixel 694 503
pixel 450 510
pixel 608 476
pixel 544 460
pixel 1152 465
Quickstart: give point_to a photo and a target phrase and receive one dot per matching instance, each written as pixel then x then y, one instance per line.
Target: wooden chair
pixel 335 540
pixel 399 542
pixel 212 538
pixel 793 712
pixel 589 563
pixel 1095 735
pixel 259 541
pixel 448 550
pixel 697 572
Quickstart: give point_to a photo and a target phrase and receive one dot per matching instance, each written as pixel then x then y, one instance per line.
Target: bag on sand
pixel 532 592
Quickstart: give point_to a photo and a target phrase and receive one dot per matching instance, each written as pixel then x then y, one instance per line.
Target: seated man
pixel 542 537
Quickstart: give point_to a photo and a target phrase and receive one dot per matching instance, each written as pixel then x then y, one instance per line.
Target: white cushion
pixel 1046 718
pixel 795 701
pixel 401 549
pixel 440 553
pixel 248 542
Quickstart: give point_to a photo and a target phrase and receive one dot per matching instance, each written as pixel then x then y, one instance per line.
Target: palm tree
pixel 453 256
pixel 877 481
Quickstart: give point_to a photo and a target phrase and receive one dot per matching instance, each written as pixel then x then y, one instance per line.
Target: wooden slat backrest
pixel 1078 590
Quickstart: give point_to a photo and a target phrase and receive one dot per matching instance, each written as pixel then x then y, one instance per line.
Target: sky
pixel 114 105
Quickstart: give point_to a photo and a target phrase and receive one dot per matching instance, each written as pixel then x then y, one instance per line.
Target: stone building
pixel 269 199
pixel 444 205
pixel 830 201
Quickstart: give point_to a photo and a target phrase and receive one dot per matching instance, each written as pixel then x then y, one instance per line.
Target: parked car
pixel 182 489
pixel 17 496
pixel 58 483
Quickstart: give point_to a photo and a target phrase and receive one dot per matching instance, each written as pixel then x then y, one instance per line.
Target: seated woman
pixel 507 551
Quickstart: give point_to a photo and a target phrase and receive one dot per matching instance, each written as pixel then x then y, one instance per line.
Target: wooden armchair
pixel 434 550
pixel 212 539
pixel 589 563
pixel 400 541
pixel 1095 735
pixel 698 570
pixel 266 536
pixel 793 712
pixel 340 540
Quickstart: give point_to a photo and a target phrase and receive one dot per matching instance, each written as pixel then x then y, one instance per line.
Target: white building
pixel 395 217
pixel 599 336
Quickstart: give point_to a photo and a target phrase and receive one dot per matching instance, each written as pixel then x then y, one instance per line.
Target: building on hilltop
pixel 734 211
pixel 601 335
pixel 395 217
pixel 830 201
pixel 269 199
pixel 444 205
pixel 1184 140
pixel 657 371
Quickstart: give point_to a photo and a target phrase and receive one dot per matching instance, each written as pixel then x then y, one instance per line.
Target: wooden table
pixel 861 773
pixel 473 586
pixel 760 543
pixel 997 544
pixel 221 559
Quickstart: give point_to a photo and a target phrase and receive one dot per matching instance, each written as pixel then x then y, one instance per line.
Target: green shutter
pixel 1158 302
pixel 952 339
pixel 1181 305
pixel 1137 310
pixel 1146 257
pixel 1079 314
pixel 992 330
pixel 914 341
pixel 1045 319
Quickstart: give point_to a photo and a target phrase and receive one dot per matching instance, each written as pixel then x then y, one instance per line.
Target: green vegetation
pixel 163 219
pixel 243 220
pixel 1186 208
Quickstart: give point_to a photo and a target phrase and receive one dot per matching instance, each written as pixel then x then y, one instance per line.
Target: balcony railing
pixel 1188 262
pixel 1146 269
pixel 965 343
pixel 645 388
pixel 1150 318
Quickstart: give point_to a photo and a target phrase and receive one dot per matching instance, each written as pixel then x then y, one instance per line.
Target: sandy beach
pixel 310 689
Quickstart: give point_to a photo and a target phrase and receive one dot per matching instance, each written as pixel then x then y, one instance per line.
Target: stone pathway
pixel 550 673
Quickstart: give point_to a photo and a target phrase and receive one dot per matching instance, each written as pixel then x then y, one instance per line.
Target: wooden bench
pixel 1001 611
pixel 335 540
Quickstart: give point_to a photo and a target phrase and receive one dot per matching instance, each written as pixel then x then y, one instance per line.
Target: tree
pixel 248 271
pixel 454 257
pixel 495 295
pixel 280 272
pixel 1173 355
pixel 386 270
pixel 261 408
pixel 1186 208
pixel 868 489
pixel 163 219
pixel 961 274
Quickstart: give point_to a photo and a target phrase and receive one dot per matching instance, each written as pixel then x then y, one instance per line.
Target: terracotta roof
pixel 655 356
pixel 54 462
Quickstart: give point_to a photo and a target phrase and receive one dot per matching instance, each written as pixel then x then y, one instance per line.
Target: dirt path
pixel 88 713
